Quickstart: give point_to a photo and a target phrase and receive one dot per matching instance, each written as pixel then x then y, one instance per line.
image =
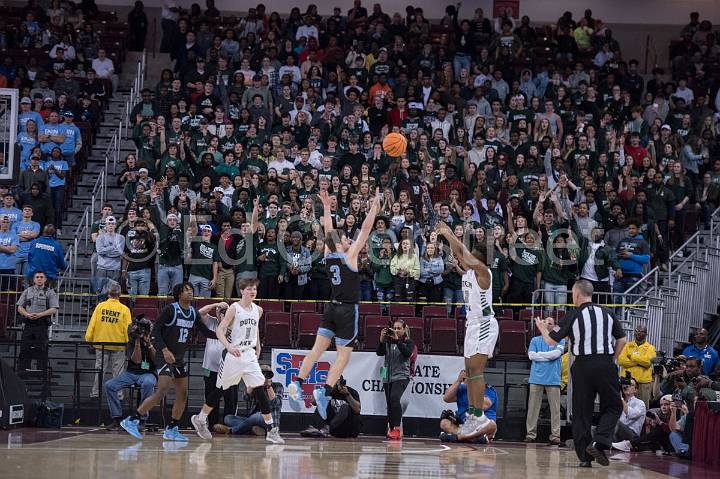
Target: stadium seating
pixel 278 330
pixel 443 336
pixel 308 324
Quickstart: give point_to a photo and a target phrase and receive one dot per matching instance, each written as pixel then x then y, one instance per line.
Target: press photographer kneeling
pixel 450 421
pixel 140 369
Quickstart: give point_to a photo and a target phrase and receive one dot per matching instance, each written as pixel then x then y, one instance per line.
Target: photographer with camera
pixel 631 420
pixel 398 349
pixel 657 430
pixel 343 414
pixel 636 359
pixel 681 382
pixel 140 370
pixel 450 421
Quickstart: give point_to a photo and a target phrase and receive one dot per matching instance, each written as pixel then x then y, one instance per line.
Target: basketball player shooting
pixel 340 319
pixel 240 361
pixel 481 328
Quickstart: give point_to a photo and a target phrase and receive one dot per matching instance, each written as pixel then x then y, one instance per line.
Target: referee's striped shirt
pixel 592 330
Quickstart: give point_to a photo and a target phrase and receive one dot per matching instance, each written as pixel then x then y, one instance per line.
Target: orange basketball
pixel 395 144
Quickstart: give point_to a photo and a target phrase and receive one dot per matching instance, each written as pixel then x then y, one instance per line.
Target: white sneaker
pixel 623 446
pixel 477 424
pixel 201 427
pixel 273 436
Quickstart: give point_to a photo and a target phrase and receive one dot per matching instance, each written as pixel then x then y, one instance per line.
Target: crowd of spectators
pixel 546 144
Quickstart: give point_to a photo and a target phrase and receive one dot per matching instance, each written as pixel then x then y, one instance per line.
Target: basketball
pixel 395 144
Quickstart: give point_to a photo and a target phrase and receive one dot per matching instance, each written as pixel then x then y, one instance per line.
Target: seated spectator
pixel 104 68
pixel 450 421
pixel 632 419
pixel 139 372
pixel 253 421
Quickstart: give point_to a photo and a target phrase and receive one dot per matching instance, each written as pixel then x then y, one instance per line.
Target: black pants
pixel 294 290
pixel 318 288
pixel 169 28
pixel 432 292
pixel 656 438
pixel 269 287
pixel 591 376
pixel 33 345
pixel 393 392
pixel 404 289
pixel 229 397
pixel 603 291
pixel 519 292
pixel 623 433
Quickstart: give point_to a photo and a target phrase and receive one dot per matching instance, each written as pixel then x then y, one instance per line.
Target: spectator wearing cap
pixel 27 113
pixel 52 133
pixel 204 259
pixel 27 230
pixel 109 247
pixel 46 255
pixel 57 169
pixel 73 138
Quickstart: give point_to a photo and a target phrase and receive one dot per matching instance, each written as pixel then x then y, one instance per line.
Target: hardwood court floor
pixel 90 453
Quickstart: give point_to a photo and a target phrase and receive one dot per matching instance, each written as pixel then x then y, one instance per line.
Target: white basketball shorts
pixel 481 336
pixel 244 368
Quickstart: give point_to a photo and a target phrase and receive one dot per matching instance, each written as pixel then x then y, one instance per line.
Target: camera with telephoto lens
pixel 661 361
pixel 141 325
pixel 342 382
pixel 626 380
pixel 450 416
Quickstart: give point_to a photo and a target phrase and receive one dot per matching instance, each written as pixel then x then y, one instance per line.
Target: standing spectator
pixel 139 258
pixel 596 261
pixel 703 351
pixel 109 247
pixel 37 305
pixel 170 254
pixel 9 243
pixel 204 260
pixel 254 420
pixel 9 209
pixel 72 144
pixel 140 370
pixel 431 270
pixel 632 419
pixel 47 255
pixel 398 349
pixel 138 23
pixel 636 359
pixel 109 324
pixel 170 15
pixel 57 168
pixel 633 253
pixel 299 262
pixel 27 230
pixel 43 211
pixel 405 267
pixel 544 377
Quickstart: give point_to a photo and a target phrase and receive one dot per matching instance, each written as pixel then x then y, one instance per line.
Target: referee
pixel 595 336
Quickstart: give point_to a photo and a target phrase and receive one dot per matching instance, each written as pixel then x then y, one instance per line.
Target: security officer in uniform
pixel 595 337
pixel 36 305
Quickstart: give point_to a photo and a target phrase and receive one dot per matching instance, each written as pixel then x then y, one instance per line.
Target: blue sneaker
pixel 173 434
pixel 295 398
pixel 322 401
pixel 131 426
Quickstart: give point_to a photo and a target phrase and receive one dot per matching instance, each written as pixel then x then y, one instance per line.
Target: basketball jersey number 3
pixel 335 272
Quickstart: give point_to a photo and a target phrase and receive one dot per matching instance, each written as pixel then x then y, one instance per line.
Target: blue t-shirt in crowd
pixel 31 115
pixel 72 136
pixel 27 143
pixel 8 260
pixel 546 373
pixel 51 130
pixel 53 179
pixel 708 355
pixel 21 227
pixel 13 213
pixel 462 402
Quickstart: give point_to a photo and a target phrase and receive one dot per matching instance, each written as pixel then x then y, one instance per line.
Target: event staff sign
pixel 423 396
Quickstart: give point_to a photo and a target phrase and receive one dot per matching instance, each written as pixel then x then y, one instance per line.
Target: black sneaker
pixel 114 425
pixel 597 452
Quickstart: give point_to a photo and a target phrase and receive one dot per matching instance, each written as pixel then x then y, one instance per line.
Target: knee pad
pixel 261 397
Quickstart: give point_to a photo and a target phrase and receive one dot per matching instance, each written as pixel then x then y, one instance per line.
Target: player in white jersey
pixel 481 326
pixel 240 360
